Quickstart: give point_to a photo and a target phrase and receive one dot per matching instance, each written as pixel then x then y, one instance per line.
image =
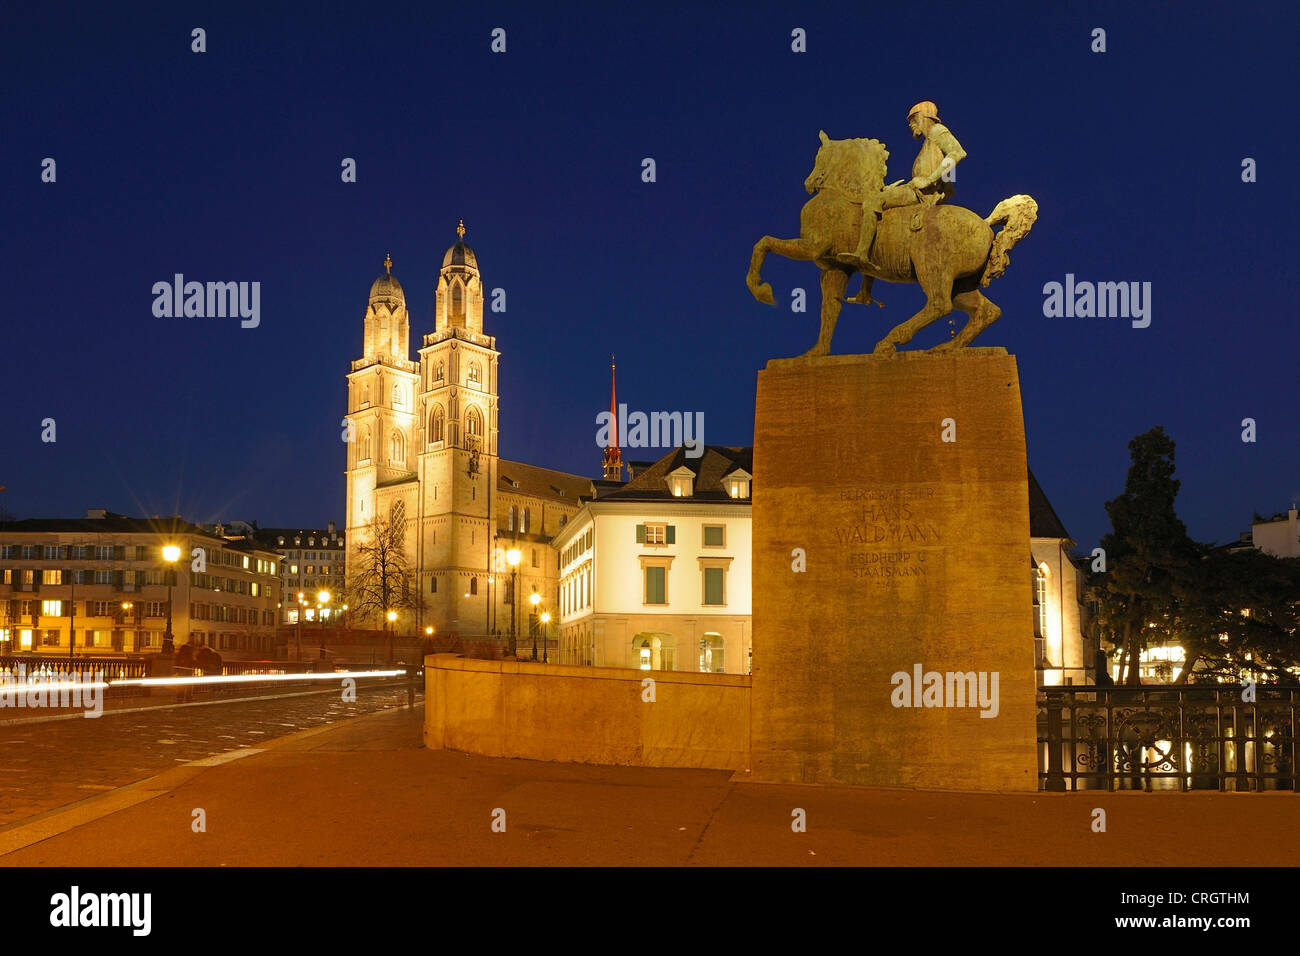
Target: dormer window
pixel 681 483
pixel 737 483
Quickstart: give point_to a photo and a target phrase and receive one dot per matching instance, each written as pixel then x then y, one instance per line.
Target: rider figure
pixel 940 153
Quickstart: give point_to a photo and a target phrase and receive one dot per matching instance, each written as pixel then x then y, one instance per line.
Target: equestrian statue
pixel 903 232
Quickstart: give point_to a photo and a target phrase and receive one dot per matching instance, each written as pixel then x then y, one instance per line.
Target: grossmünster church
pixel 424 453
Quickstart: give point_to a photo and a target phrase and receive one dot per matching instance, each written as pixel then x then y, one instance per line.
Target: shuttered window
pixel 713 589
pixel 655 586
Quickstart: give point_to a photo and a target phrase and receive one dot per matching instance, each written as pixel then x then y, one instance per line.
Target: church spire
pixel 613 459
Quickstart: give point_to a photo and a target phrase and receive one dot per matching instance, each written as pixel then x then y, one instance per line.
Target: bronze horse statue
pixel 950 251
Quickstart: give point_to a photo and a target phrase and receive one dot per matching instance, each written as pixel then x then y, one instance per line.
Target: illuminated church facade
pixel 423 453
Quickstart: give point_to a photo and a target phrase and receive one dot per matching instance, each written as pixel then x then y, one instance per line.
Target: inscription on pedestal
pixel 885 533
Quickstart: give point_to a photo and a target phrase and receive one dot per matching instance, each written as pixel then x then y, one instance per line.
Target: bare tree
pixel 380 576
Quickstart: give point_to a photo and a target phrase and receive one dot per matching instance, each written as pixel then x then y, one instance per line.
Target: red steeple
pixel 613 460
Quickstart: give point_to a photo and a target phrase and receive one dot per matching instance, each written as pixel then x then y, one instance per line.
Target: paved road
pixel 44 765
pixel 365 792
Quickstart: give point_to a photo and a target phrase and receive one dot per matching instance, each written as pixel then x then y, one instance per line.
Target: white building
pixel 1278 536
pixel 1063 654
pixel 656 573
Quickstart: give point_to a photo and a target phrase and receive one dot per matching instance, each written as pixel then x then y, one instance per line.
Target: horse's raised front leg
pixel 802 248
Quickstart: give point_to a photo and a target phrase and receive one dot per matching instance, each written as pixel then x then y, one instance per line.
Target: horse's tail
pixel 1018 213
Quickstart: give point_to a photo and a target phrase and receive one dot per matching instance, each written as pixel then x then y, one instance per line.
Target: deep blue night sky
pixel 225 166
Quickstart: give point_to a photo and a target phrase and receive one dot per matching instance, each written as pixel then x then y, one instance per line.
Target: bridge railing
pixel 1162 737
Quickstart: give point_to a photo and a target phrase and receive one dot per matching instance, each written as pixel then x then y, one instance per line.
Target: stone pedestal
pixel 917 563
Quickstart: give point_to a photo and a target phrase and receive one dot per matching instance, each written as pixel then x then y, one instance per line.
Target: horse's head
pixel 855 166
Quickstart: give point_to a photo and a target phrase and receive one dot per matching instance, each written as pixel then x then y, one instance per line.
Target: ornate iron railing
pixel 1169 738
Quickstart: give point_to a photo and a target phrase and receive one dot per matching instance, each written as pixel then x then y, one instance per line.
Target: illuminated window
pixel 25 639
pixel 52 609
pixel 1040 602
pixel 737 485
pixel 655 534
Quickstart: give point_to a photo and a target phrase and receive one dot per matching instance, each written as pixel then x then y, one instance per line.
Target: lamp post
pixel 546 619
pixel 171 554
pixel 512 559
pixel 297 626
pixel 534 599
pixel 126 612
pixel 322 598
pixel 389 618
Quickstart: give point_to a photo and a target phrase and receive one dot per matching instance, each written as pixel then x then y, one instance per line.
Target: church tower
pixel 458 450
pixel 381 424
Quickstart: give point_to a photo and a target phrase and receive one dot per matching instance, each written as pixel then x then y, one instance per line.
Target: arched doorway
pixel 654 651
pixel 712 653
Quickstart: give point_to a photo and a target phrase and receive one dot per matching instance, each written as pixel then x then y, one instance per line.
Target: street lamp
pixel 322 598
pixel 546 619
pixel 534 599
pixel 389 618
pixel 171 554
pixel 126 612
pixel 512 559
pixel 297 625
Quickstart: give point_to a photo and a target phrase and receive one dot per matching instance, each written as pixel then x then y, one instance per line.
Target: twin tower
pixel 423 443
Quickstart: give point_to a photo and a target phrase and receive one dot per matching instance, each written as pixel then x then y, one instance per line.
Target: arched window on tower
pixel 365 394
pixel 438 373
pixel 398 398
pixel 457 301
pixel 437 420
pixel 473 427
pixel 397 448
pixel 475 375
pixel 363 448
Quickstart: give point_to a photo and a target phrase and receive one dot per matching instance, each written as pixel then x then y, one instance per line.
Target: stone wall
pixel 586 714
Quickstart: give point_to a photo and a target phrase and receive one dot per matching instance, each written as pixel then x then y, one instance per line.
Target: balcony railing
pixel 1169 738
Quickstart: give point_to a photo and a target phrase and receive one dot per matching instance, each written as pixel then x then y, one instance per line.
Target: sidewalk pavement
pixel 365 792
